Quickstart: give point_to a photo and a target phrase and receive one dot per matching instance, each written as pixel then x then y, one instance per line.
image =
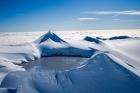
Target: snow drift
pixel 19 53
pixel 99 74
pixel 6 66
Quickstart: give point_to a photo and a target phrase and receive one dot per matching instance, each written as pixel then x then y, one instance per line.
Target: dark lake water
pixel 56 63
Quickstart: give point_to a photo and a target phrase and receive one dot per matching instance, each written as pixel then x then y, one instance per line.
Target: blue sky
pixel 42 15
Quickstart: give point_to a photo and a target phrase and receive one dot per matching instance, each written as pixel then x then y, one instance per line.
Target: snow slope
pixel 7 66
pixel 19 53
pixel 99 74
pixel 113 65
pixel 126 50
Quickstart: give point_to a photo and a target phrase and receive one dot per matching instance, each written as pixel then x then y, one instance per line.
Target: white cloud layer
pixel 116 19
pixel 87 18
pixel 131 12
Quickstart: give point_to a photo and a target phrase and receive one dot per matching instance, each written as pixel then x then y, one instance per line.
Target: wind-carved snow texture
pixel 100 74
pixel 112 66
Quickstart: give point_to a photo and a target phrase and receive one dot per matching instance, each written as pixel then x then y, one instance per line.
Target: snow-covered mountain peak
pixel 49 35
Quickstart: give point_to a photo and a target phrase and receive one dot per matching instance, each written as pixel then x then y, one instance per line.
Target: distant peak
pixel 90 39
pixel 119 37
